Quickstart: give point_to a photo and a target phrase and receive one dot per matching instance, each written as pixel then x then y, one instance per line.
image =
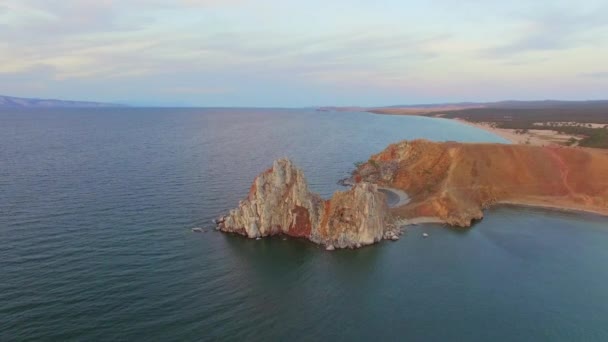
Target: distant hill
pixel 596 109
pixel 511 104
pixel 585 122
pixel 19 102
pixel 549 104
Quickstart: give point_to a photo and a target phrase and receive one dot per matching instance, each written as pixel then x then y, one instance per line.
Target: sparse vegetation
pixel 575 121
pixel 598 137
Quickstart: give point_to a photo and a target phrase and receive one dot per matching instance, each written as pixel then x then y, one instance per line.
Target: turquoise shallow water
pixel 96 208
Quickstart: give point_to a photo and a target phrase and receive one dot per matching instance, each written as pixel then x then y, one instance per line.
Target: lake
pixel 97 206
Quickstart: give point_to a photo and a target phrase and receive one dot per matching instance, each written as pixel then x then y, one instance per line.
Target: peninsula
pixel 446 182
pixel 453 182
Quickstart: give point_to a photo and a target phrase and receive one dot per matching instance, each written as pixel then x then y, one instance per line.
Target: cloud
pixel 33 79
pixel 32 73
pixel 199 50
pixel 199 3
pixel 318 57
pixel 263 53
pixel 197 90
pixel 54 19
pixel 598 74
pixel 554 30
pixel 76 17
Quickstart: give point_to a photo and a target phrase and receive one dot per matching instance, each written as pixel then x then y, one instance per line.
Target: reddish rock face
pixel 301 225
pixel 279 202
pixel 454 182
pixel 359 216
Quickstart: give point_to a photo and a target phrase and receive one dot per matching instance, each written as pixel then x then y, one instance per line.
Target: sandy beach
pixel 532 137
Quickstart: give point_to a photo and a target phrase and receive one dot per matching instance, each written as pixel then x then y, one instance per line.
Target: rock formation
pixel 446 182
pixel 279 202
pixel 453 182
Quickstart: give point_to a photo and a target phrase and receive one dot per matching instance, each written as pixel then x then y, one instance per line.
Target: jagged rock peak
pixel 279 202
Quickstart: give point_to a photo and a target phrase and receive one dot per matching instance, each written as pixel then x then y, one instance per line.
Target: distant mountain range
pixel 20 102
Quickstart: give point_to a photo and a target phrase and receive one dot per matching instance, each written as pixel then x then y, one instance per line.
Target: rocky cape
pixel 280 203
pixel 446 182
pixel 453 182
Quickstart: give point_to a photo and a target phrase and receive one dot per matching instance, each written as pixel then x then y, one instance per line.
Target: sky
pixel 283 53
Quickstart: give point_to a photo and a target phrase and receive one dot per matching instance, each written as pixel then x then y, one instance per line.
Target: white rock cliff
pixel 279 202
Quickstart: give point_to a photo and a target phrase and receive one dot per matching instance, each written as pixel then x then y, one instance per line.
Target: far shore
pixel 530 137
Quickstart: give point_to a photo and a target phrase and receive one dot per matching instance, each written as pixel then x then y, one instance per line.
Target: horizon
pixel 271 54
pixel 327 106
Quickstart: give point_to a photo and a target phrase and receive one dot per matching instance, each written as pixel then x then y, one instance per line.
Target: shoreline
pixel 496 131
pixel 532 137
pixel 402 222
pixel 553 208
pixel 402 197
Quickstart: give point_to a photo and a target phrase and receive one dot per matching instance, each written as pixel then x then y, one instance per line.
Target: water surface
pixel 96 208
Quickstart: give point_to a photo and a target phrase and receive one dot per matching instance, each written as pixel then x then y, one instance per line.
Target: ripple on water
pixel 96 209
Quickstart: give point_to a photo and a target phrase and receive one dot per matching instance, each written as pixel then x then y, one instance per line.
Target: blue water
pixel 96 208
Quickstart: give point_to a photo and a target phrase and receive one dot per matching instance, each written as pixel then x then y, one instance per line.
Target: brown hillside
pixel 454 181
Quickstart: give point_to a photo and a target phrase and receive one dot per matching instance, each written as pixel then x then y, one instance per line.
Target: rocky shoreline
pixel 279 203
pixel 426 181
pixel 453 183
